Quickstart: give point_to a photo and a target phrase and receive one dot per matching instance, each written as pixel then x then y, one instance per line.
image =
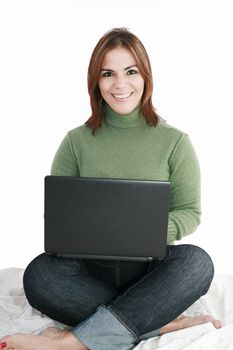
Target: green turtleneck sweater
pixel 126 147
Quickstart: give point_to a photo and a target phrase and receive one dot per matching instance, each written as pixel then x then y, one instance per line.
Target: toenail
pixel 3 345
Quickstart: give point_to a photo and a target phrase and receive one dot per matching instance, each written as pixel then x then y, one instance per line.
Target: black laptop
pixel 109 219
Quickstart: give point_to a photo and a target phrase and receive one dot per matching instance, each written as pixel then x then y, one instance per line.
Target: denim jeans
pixel 114 305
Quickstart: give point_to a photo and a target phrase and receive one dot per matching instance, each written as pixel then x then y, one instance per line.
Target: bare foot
pixel 184 322
pixel 20 341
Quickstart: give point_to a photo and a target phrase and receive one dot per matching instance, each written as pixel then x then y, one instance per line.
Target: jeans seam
pixel 138 282
pixel 83 265
pixel 122 322
pixel 117 276
pixel 149 266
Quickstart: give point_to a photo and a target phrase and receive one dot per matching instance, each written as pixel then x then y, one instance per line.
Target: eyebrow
pixel 111 70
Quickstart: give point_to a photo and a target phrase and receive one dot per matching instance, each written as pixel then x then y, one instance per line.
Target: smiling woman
pixel 111 78
pixel 121 83
pixel 113 304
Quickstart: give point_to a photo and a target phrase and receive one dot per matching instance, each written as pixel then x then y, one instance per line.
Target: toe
pixel 7 343
pixel 218 324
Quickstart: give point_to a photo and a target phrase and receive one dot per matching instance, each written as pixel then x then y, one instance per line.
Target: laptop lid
pixel 112 219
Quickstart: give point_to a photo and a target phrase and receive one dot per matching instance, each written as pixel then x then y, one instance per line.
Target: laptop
pixel 109 219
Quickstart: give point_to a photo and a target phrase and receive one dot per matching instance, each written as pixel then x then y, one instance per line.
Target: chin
pixel 123 110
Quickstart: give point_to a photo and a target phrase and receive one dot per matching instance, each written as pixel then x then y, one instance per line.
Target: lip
pixel 122 97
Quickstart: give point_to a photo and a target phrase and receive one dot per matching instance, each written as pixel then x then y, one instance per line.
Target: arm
pixel 185 208
pixel 65 162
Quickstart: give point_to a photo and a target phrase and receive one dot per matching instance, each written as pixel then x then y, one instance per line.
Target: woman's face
pixel 121 84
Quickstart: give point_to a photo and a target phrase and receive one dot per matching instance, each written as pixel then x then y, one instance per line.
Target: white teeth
pixel 122 96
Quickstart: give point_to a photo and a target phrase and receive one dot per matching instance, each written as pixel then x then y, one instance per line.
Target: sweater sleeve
pixel 65 162
pixel 185 207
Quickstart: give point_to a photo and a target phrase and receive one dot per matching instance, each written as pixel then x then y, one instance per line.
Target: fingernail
pixel 3 345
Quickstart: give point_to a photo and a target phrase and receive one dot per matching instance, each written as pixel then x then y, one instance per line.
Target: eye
pixel 132 71
pixel 107 74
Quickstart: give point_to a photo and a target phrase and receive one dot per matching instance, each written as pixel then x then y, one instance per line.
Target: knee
pixel 44 275
pixel 201 264
pixel 34 269
pixel 33 277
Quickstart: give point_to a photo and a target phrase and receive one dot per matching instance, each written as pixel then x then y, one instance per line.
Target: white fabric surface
pixel 16 315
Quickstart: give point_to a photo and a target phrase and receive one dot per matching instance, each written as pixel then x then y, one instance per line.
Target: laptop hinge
pixel 103 257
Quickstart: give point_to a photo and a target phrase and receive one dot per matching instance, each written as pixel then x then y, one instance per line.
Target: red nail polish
pixel 3 345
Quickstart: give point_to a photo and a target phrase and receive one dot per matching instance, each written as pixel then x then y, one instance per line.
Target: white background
pixel 45 50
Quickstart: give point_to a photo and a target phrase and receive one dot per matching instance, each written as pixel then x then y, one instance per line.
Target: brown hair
pixel 110 40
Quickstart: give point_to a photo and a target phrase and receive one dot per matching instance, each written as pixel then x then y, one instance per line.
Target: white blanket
pixel 16 315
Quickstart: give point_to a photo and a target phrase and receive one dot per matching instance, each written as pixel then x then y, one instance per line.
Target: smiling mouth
pixel 122 97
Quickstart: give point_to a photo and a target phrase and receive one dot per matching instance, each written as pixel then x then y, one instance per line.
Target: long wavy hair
pixel 119 37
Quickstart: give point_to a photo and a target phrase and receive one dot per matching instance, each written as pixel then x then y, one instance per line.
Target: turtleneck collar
pixel 128 120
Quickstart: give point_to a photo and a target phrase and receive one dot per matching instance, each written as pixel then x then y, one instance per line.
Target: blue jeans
pixel 114 305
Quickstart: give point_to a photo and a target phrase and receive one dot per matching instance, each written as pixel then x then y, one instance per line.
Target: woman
pixel 114 305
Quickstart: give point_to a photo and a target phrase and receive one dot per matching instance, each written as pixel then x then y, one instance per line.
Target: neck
pixel 132 119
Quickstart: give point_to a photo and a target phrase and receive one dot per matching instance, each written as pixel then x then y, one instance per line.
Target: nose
pixel 120 81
